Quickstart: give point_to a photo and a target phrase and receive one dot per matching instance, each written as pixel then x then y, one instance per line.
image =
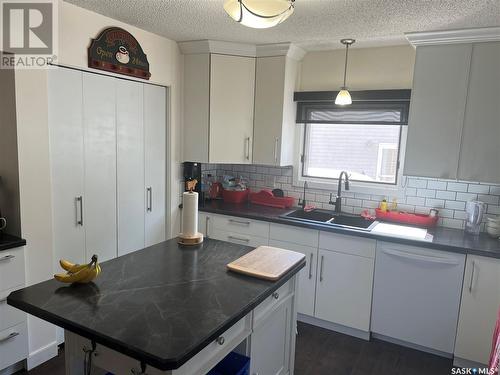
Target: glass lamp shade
pixel 259 14
pixel 343 97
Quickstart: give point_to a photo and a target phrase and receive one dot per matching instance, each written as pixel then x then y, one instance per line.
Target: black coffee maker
pixel 192 171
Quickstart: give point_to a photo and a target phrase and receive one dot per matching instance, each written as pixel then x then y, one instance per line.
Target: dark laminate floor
pixel 322 352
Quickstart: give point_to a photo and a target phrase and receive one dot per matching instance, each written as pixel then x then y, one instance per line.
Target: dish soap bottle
pixel 383 205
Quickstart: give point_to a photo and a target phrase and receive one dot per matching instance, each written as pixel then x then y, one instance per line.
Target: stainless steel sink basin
pixel 330 218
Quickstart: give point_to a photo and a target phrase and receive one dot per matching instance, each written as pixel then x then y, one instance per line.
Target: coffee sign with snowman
pixel 116 50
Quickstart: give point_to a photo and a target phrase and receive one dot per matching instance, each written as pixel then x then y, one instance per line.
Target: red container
pixel 266 198
pixel 420 220
pixel 235 196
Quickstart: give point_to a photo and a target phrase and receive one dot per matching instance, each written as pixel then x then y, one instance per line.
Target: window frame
pixel 384 98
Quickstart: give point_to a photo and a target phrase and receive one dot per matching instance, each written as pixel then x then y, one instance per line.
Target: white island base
pixel 266 335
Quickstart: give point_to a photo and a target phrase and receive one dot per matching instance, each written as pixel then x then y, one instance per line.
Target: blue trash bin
pixel 232 364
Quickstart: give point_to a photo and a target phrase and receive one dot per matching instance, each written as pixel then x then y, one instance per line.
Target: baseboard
pixel 412 346
pixel 334 327
pixel 42 355
pixel 465 363
pixel 14 368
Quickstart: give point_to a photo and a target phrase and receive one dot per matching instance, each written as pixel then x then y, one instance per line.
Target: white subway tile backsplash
pixel 426 193
pixel 436 184
pixel 449 195
pixel 466 196
pixel 455 205
pixel 417 183
pixel 419 195
pixel 481 189
pixel 457 186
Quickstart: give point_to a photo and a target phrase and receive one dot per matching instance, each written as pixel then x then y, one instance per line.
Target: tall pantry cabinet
pixel 107 155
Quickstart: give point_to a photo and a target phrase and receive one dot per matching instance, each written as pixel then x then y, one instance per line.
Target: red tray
pixel 420 220
pixel 266 198
pixel 235 196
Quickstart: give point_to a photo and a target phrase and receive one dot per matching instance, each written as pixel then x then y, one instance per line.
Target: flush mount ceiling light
pixel 259 14
pixel 343 97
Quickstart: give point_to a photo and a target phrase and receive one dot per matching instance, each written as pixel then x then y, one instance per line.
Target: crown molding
pixel 241 49
pixel 478 35
pixel 217 46
pixel 281 49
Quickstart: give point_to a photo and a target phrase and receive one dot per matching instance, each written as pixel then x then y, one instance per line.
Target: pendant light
pixel 343 97
pixel 259 14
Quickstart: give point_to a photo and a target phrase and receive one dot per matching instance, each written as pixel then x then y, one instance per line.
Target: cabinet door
pixel 437 110
pixel 478 310
pixel 344 289
pixel 232 82
pixel 66 163
pixel 480 152
pixel 270 342
pixel 130 166
pixel 99 201
pixel 269 97
pixel 307 276
pixel 155 128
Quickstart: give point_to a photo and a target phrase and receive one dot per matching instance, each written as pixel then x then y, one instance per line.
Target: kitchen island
pixel 168 309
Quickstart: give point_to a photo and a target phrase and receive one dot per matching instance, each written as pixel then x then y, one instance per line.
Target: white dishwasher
pixel 416 296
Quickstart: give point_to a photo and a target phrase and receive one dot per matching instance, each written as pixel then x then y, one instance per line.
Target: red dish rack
pixel 266 198
pixel 420 220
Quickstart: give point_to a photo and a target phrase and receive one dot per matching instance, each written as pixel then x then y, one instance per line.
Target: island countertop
pixel 160 305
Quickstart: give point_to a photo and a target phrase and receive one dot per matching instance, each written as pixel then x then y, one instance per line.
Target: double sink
pixel 330 218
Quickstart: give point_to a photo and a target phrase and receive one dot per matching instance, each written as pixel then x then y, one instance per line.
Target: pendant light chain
pixel 345 66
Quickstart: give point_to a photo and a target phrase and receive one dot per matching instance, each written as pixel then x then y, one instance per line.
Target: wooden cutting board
pixel 265 262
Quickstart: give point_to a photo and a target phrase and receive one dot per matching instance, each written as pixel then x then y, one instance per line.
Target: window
pixel 363 139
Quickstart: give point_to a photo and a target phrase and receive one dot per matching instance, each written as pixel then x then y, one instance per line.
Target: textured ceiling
pixel 315 24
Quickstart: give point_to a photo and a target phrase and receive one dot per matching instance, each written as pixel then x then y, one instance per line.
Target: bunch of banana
pixel 79 273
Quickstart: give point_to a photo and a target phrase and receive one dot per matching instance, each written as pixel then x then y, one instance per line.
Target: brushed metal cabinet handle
pixel 220 340
pixel 311 266
pixel 7 257
pixel 276 295
pixel 207 223
pixel 471 283
pixel 239 222
pixel 247 148
pixel 9 336
pixel 276 140
pixel 79 201
pixel 150 199
pixel 321 268
pixel 238 238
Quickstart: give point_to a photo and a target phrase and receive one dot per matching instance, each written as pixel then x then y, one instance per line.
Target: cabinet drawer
pixel 11 268
pixel 240 225
pixel 241 239
pixel 9 316
pixel 363 247
pixel 13 345
pixel 118 363
pixel 301 236
pixel 270 303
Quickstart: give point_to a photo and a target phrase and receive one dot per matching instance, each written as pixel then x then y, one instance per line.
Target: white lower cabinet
pixel 270 342
pixel 478 310
pixel 416 295
pixel 344 289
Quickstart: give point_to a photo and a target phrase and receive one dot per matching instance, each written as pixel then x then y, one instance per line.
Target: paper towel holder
pixel 197 238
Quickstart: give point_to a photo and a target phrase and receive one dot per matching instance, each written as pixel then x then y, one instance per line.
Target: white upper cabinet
pixel 437 110
pixel 454 118
pixel 218 108
pixel 480 152
pixel 275 110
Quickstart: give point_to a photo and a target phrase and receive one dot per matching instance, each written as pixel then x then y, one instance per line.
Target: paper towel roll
pixel 189 214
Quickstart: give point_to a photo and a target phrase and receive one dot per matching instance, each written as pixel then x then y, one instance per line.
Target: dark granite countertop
pixel 447 239
pixel 160 305
pixel 8 241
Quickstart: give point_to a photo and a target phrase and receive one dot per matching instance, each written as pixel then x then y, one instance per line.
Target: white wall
pixel 368 69
pixel 76 27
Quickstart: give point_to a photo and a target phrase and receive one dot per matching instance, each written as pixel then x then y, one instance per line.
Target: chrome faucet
pixel 302 203
pixel 338 198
